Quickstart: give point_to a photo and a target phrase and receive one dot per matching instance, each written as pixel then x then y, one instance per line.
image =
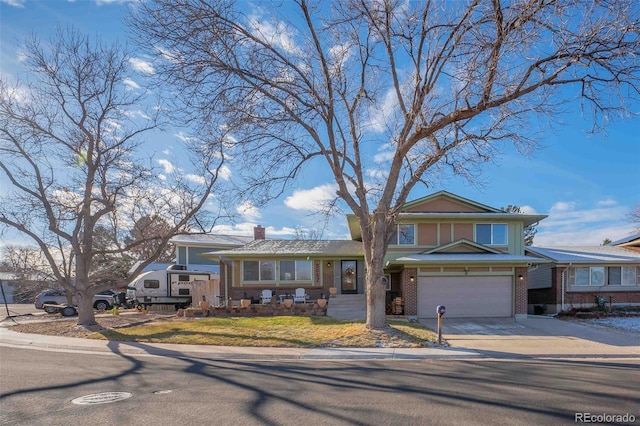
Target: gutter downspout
pixel 563 286
pixel 226 281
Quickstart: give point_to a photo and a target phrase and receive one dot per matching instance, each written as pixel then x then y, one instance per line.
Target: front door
pixel 349 277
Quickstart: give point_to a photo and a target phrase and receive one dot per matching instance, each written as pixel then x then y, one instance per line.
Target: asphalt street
pixel 38 388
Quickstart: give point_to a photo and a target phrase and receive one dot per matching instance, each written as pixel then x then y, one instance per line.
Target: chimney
pixel 258 233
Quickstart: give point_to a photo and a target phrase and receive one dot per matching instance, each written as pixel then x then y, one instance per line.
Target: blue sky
pixel 586 184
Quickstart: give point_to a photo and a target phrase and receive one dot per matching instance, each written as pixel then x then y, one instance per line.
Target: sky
pixel 586 184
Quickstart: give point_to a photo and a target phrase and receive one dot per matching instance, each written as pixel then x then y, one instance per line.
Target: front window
pixel 295 270
pixel 404 235
pixel 492 234
pixel 630 275
pixel 259 270
pixel 622 275
pixel 590 276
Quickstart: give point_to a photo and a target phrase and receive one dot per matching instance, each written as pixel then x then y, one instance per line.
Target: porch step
pixel 349 307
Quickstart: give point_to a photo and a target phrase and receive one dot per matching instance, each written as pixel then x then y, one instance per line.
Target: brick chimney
pixel 258 233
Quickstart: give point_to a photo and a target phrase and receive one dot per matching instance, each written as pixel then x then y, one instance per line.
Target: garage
pixel 467 296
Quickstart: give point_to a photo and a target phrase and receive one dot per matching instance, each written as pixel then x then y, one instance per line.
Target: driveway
pixel 536 336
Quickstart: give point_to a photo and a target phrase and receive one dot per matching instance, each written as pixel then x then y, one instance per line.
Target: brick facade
pixel 552 296
pixel 299 309
pixel 410 291
pixel 521 296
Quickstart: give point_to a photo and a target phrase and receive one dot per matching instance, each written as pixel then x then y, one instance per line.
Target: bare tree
pixel 309 234
pixel 529 231
pixel 634 216
pixel 30 270
pixel 389 94
pixel 148 230
pixel 71 147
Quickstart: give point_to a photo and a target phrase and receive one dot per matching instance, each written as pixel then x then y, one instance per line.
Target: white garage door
pixel 466 296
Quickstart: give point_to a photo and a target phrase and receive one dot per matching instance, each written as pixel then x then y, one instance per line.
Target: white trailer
pixel 173 286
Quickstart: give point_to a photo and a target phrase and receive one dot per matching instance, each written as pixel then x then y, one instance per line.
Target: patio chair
pixel 301 296
pixel 266 297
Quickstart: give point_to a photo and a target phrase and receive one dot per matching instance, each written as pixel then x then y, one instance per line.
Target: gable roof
pixel 464 258
pixel 463 246
pixel 631 240
pixel 452 204
pixel 261 248
pixel 586 254
pixel 449 207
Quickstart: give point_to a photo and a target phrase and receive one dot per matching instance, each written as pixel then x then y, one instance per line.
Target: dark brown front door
pixel 349 277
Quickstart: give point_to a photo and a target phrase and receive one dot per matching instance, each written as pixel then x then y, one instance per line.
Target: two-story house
pixel 447 250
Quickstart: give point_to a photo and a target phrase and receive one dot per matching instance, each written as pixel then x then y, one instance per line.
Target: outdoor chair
pixel 301 296
pixel 266 296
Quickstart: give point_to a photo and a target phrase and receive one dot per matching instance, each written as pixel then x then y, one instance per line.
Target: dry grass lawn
pixel 285 331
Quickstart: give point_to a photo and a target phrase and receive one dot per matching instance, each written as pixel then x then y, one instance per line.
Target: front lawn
pixel 283 331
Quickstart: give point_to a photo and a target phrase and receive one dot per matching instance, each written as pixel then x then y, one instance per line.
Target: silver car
pixel 102 301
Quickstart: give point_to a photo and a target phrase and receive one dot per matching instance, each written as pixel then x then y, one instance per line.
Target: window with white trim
pixel 259 270
pixel 492 234
pixel 404 235
pixel 295 270
pixel 601 275
pixel 623 275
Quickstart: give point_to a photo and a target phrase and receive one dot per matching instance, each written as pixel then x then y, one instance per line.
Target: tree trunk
pixel 86 315
pixel 375 248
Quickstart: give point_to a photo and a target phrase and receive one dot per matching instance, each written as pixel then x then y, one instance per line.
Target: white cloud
pixel 130 83
pixel 14 3
pixel 141 66
pixel 378 173
pixel 103 2
pixel 184 137
pixel 278 34
pixel 381 113
pixel 607 202
pixel 246 228
pixel 383 157
pixel 225 172
pixel 195 178
pixel 248 211
pixel 314 199
pixel 568 224
pixel 162 177
pixel 528 210
pixel 168 167
pixel 562 206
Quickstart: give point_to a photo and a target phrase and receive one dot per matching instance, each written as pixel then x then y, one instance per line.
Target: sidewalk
pixel 54 343
pixel 501 338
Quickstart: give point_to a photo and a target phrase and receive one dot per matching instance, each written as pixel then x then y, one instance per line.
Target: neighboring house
pixel 631 242
pixel 190 247
pixel 447 250
pixel 6 281
pixel 579 277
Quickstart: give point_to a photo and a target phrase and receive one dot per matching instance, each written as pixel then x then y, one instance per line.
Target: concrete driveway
pixel 536 336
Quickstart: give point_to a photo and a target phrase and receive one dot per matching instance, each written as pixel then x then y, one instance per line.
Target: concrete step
pixel 348 307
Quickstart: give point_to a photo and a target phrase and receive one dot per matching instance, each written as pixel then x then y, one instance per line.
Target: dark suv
pixel 101 301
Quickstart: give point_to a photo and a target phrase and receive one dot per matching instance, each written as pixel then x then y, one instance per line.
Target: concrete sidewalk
pixel 10 338
pixel 534 337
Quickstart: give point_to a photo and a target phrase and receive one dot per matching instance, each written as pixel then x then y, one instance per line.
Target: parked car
pixel 102 301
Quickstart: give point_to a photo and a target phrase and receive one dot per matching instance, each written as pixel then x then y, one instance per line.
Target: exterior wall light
pixel 520 277
pixel 412 279
pixel 328 264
